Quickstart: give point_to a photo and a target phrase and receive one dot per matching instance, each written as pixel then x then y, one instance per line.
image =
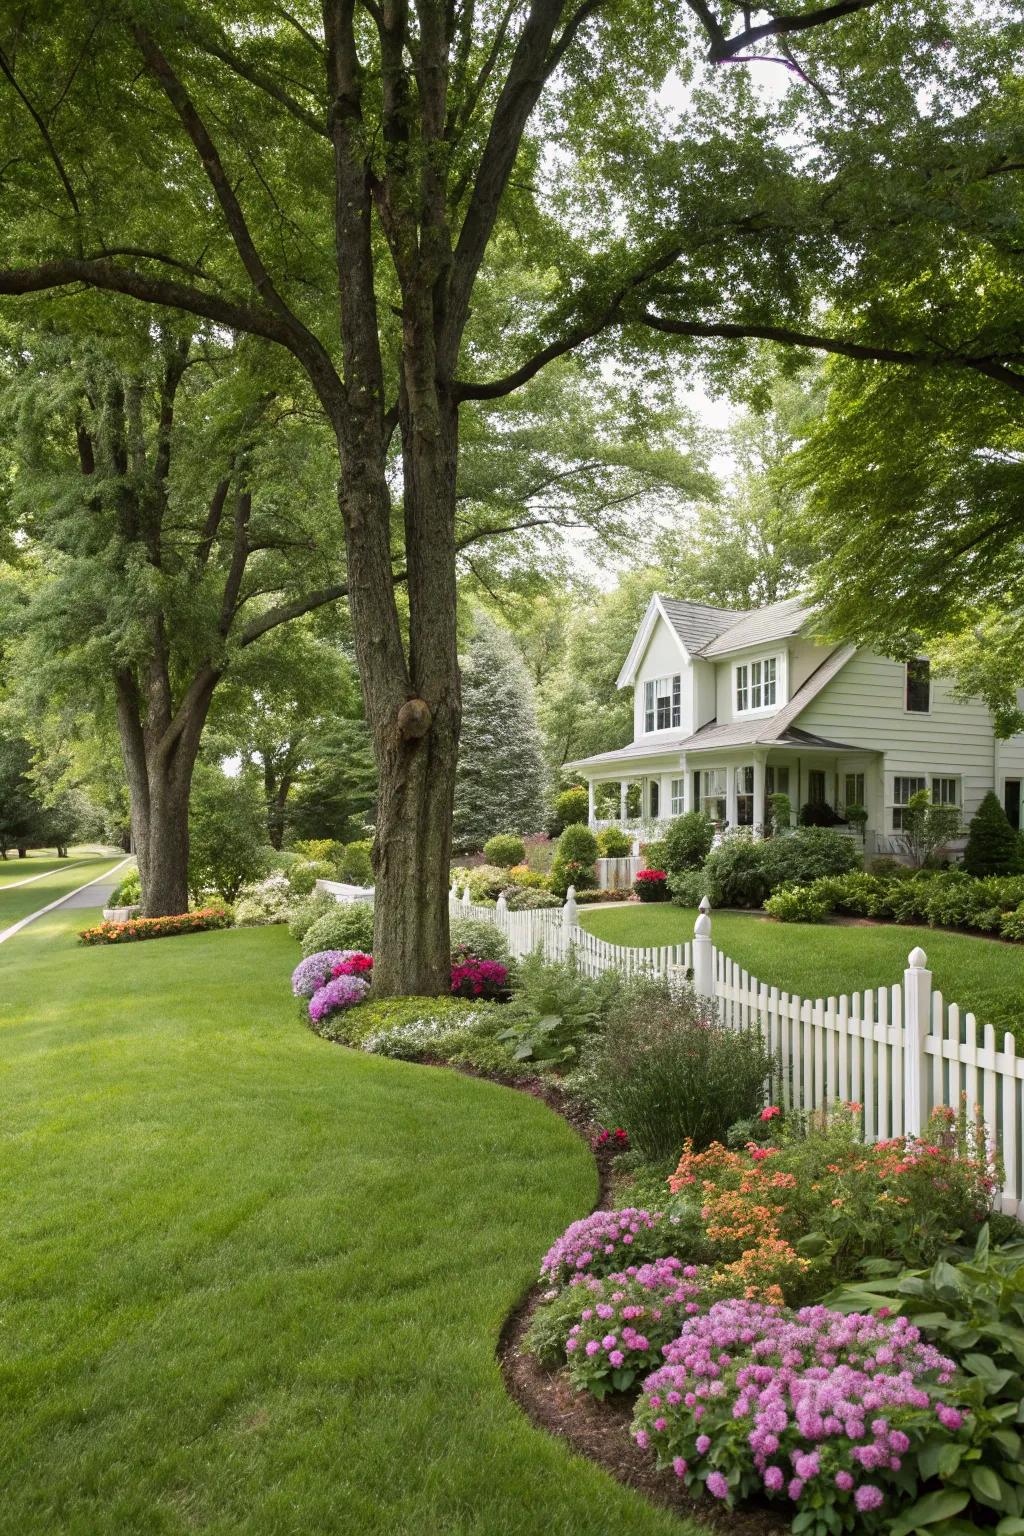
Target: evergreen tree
pixel 993 847
pixel 501 783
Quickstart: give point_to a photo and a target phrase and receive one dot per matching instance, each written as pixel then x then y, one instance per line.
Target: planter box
pixel 120 914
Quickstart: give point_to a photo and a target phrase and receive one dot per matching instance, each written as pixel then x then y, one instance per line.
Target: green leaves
pixel 928 1511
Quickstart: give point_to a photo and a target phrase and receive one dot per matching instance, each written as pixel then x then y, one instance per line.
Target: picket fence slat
pixel 862 1049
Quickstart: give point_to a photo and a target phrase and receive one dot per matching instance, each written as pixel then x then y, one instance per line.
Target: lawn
pixel 826 959
pixel 13 869
pixel 17 901
pixel 252 1282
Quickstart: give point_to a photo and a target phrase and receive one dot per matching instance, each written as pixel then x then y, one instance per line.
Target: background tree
pixel 368 171
pixel 502 779
pixel 337 794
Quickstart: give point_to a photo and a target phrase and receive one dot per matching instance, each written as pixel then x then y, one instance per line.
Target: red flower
pixel 770 1112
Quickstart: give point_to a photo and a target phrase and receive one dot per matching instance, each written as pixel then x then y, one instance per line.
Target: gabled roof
pixel 808 690
pixel 760 626
pixel 695 623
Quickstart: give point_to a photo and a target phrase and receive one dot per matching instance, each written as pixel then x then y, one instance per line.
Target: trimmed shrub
pixel 797 904
pixel 504 850
pixel 355 866
pixel 613 843
pixel 1011 925
pixel 525 878
pixel 306 912
pixel 319 850
pixel 817 814
pixel 530 899
pixel 780 813
pixel 667 1070
pixel 735 873
pixel 485 881
pixel 349 926
pixel 807 854
pixel 575 859
pixel 129 892
pixel 687 842
pixel 302 877
pixel 572 807
pixel 653 854
pixel 688 888
pixel 483 940
pixel 993 847
pixel 281 858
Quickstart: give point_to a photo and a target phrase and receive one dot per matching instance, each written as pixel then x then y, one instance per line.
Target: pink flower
pixel 844 1481
pixel 679 1466
pixel 770 1112
pixel 773 1479
pixel 949 1418
pixel 868 1497
pixel 703 1444
pixel 717 1485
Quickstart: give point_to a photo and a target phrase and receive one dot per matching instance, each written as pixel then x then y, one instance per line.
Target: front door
pixel 1011 801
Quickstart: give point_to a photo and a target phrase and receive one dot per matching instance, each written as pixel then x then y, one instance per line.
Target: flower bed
pixel 651 885
pixel 138 928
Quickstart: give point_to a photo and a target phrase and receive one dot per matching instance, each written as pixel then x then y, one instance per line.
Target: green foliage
pixel 555 1009
pixel 504 850
pixel 780 813
pixel 486 882
pixel 993 847
pixel 927 828
pixel 574 860
pixel 807 854
pixel 226 832
pixel 530 899
pixel 481 939
pixel 688 888
pixel 1011 925
pixel 687 842
pixel 307 911
pixel 735 873
pixel 269 901
pixel 502 776
pixel 129 892
pixel 355 866
pixel 572 807
pixel 796 904
pixel 349 926
pixel 318 850
pixel 303 876
pixel 665 1069
pixel 550 1324
pixel 613 844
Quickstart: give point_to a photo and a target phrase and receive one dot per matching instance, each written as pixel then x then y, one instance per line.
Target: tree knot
pixel 414 719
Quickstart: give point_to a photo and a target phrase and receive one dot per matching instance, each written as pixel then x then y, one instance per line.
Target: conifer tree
pixel 501 782
pixel 993 847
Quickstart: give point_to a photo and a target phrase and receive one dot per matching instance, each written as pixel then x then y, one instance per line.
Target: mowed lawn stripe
pixel 252 1282
pixel 826 959
pixel 22 900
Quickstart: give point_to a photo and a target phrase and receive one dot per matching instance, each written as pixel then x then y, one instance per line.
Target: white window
pixel 776 780
pixel 745 797
pixel 917 688
pixel 662 701
pixel 713 793
pixel 853 789
pixel 756 684
pixel 678 796
pixel 904 786
pixel 946 790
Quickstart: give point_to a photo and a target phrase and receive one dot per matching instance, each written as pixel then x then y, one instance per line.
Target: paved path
pixel 93 893
pixel 12 885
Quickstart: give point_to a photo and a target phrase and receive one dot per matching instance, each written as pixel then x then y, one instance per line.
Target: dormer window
pixel 662 703
pixel 756 684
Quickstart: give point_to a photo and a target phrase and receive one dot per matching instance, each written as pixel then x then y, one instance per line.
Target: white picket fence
pixel 899 1051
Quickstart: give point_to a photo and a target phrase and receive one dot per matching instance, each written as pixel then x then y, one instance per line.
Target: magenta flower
pixel 340 993
pixel 717 1485
pixel 868 1497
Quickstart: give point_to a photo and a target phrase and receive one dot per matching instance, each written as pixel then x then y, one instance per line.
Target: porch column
pixel 591 808
pixel 730 795
pixel 759 806
pixel 623 792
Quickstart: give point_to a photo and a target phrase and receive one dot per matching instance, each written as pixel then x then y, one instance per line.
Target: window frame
pixel 677 796
pixel 847 801
pixel 671 699
pixel 895 807
pixel 752 679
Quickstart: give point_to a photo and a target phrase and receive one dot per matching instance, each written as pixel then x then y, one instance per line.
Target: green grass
pixel 18 901
pixel 251 1282
pixel 826 959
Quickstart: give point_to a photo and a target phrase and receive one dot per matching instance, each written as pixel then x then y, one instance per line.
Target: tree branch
pixel 45 133
pixel 265 83
pixel 723 48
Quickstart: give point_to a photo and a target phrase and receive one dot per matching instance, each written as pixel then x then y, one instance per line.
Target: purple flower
pixel 949 1418
pixel 679 1466
pixel 315 971
pixel 717 1485
pixel 868 1497
pixel 343 992
pixel 703 1444
pixel 844 1480
pixel 773 1479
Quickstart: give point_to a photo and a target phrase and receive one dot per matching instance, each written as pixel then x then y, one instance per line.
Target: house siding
pixel 663 657
pixel 863 706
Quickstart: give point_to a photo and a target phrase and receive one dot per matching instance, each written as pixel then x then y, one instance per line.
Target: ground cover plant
pixel 228 1301
pixel 981 974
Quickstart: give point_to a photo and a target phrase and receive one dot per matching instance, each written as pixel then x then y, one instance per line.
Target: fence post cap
pixel 501 904
pixel 702 927
pixel 570 894
pixel 705 905
pixel 917 959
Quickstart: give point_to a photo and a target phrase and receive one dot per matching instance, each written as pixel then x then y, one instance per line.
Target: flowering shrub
pixel 597 1245
pixel 340 993
pixel 201 921
pixel 485 979
pixel 816 1408
pixel 626 1320
pixel 267 902
pixel 316 970
pixel 356 964
pixel 651 885
pixel 828 1194
pixel 433 1034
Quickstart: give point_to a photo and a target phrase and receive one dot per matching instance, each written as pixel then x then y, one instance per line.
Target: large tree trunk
pixel 165 883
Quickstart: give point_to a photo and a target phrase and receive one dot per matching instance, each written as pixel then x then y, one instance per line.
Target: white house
pixel 731 707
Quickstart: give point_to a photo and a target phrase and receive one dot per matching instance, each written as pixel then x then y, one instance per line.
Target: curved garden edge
pixel 599 1431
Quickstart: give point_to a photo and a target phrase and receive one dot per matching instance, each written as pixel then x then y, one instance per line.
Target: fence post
pixel 465 896
pixel 703 961
pixel 917 1007
pixel 570 912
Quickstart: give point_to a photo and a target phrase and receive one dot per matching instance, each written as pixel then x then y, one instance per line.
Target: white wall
pixel 663 657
